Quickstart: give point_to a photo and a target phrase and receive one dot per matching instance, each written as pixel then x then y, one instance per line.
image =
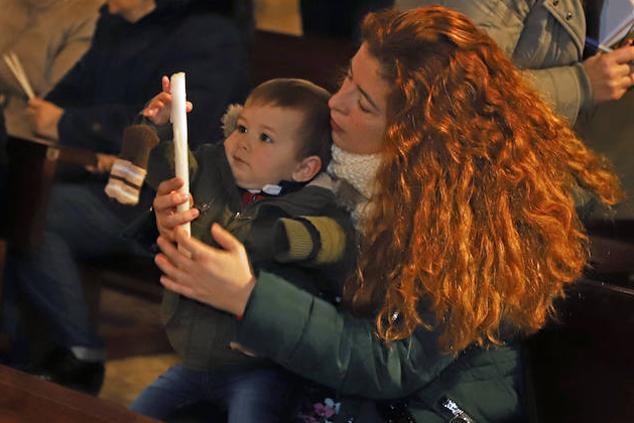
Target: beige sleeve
pixel 75 41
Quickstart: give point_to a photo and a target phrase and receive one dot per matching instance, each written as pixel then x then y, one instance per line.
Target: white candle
pixel 179 127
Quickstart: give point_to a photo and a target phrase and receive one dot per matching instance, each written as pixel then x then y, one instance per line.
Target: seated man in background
pixel 136 42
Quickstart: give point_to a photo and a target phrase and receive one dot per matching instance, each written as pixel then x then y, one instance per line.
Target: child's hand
pixel 165 205
pixel 159 108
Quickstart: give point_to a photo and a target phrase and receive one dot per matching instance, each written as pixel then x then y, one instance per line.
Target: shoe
pixel 63 368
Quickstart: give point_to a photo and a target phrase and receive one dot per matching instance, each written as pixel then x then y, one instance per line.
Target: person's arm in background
pixel 79 26
pixel 73 89
pixel 76 40
pixel 570 88
pixel 50 42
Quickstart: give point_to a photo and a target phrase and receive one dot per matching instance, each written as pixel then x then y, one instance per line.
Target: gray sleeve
pixel 566 88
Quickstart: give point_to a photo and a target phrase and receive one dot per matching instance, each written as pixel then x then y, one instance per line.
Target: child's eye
pixel 242 129
pixel 265 138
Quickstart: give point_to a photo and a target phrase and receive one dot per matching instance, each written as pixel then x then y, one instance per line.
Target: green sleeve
pixel 314 339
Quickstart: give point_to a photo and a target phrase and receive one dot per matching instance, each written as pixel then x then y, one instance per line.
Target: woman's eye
pixel 363 108
pixel 242 129
pixel 265 138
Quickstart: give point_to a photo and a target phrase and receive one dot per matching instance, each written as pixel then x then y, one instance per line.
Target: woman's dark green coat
pixel 320 342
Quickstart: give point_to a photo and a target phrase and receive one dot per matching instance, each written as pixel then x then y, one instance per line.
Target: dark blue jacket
pixel 122 70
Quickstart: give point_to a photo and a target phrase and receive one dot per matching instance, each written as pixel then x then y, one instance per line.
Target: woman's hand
pixel 159 108
pixel 611 74
pixel 221 278
pixel 44 117
pixel 165 203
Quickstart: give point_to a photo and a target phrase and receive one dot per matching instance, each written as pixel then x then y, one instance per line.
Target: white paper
pixel 179 127
pixel 617 17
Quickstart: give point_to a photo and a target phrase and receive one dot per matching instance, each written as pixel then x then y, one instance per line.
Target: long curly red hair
pixel 474 216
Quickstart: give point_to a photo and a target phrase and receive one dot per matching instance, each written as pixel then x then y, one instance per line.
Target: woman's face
pixel 358 109
pixel 131 10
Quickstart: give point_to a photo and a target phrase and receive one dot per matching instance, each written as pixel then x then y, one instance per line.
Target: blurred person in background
pixel 135 43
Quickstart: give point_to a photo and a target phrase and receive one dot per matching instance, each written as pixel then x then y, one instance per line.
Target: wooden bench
pixel 27 399
pixel 580 367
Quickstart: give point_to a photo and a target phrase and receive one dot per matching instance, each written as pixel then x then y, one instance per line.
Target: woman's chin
pixel 337 140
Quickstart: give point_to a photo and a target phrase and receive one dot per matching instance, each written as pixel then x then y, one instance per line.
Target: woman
pixel 470 234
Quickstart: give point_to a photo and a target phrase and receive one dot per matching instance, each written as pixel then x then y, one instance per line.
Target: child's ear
pixel 307 169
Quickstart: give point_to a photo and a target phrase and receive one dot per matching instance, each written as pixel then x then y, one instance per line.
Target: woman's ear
pixel 307 169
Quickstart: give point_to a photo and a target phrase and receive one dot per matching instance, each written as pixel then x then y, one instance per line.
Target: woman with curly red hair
pixel 469 234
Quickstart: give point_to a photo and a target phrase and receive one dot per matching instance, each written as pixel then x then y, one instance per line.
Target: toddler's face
pixel 263 148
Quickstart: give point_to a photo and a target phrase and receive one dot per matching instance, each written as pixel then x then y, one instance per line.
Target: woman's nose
pixel 338 100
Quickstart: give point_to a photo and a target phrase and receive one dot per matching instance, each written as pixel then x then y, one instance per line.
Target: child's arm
pixel 313 241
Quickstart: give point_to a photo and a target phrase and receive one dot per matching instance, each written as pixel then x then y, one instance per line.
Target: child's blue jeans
pixel 259 395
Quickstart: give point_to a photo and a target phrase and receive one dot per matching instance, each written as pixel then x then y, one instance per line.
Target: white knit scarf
pixel 359 171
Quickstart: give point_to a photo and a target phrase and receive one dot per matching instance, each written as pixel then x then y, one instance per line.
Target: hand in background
pixel 103 165
pixel 611 74
pixel 165 202
pixel 221 277
pixel 159 108
pixel 44 117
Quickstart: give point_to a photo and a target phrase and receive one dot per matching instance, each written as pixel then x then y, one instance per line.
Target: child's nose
pixel 244 144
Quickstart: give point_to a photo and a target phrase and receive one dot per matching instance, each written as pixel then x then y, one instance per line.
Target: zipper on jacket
pixel 459 415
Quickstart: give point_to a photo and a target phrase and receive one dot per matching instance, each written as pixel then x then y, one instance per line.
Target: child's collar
pixel 269 189
pixel 284 187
